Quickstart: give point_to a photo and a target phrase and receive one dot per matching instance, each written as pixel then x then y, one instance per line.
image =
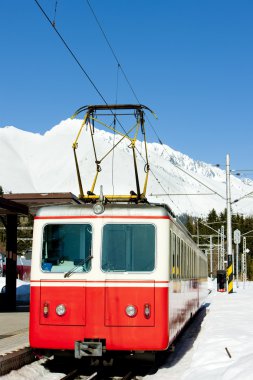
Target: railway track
pixel 100 375
pixel 118 369
pixel 16 360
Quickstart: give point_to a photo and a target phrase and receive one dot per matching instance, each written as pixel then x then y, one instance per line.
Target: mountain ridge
pixel 32 162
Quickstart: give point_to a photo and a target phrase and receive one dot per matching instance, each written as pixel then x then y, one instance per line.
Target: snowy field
pixel 217 345
pixel 227 329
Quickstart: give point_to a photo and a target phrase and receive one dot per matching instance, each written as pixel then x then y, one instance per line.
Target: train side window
pixel 128 248
pixel 174 255
pixel 170 256
pixel 188 261
pixel 66 246
pixel 185 261
pixel 178 258
pixel 182 259
pixel 192 275
pixel 194 264
pixel 191 266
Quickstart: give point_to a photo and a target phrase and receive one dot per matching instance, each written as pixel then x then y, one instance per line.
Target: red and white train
pixel 126 279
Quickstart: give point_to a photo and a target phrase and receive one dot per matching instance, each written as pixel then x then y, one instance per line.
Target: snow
pixel 29 163
pixel 227 325
pixel 34 371
pixel 22 290
pixel 223 327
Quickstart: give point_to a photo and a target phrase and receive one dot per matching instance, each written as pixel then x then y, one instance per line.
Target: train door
pixel 129 249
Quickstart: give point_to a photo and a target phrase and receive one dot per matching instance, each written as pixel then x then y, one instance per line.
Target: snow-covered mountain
pixel 45 163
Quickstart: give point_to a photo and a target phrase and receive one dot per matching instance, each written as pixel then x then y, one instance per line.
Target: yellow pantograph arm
pixel 80 130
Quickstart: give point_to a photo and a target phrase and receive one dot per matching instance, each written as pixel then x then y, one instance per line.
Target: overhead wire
pixel 137 99
pixel 76 60
pixel 114 127
pixel 52 23
pixel 71 52
pixel 119 65
pixel 127 80
pixel 112 50
pixel 55 9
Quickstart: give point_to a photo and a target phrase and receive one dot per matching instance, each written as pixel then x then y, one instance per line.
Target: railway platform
pixel 14 340
pixel 14 330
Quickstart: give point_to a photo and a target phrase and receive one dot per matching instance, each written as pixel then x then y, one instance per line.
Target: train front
pixel 99 282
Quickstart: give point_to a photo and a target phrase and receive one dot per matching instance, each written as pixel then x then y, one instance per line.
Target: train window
pixel 188 261
pixel 178 258
pixel 170 256
pixel 128 248
pixel 191 264
pixel 66 247
pixel 194 264
pixel 181 259
pixel 174 255
pixel 185 265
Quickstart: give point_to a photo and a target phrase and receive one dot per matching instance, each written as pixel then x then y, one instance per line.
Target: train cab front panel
pixel 100 279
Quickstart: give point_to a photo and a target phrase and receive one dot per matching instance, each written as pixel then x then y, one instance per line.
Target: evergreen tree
pixel 200 227
pixel 212 216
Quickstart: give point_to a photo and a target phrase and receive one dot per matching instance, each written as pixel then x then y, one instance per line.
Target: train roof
pixel 109 209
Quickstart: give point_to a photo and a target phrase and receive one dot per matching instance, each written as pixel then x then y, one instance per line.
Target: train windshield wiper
pixel 80 263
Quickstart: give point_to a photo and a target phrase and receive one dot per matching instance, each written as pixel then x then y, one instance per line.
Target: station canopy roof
pixel 28 203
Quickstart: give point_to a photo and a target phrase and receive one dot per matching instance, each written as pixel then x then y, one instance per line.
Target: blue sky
pixel 189 60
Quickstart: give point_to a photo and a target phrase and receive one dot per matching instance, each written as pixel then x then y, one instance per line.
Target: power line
pixel 96 88
pixel 245 196
pixel 177 194
pixel 77 61
pixel 134 93
pixel 215 192
pixel 55 9
pixel 112 50
pixel 71 52
pixel 127 80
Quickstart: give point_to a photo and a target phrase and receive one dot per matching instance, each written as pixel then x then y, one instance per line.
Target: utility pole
pixel 218 249
pixel 222 253
pixel 197 232
pixel 237 241
pixel 229 228
pixel 211 256
pixel 244 263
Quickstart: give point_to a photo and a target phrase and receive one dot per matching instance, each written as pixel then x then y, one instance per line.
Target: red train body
pixel 124 280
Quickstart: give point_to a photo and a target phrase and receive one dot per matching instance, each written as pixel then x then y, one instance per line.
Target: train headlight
pixel 60 310
pixel 131 311
pixel 98 208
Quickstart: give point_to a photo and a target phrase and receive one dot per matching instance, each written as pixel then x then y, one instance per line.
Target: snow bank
pixel 22 291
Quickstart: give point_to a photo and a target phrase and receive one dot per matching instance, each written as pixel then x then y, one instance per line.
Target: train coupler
pixel 88 349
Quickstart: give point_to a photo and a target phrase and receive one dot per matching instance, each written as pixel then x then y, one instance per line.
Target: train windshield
pixel 66 246
pixel 128 248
